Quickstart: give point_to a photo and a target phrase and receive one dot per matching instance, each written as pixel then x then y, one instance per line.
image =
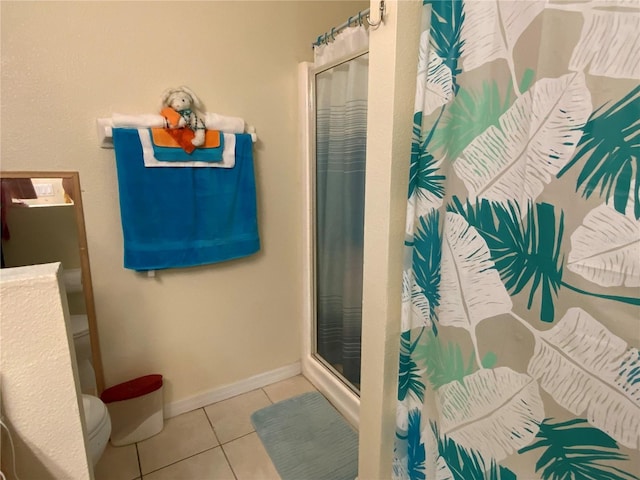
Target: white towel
pixel 138 121
pixel 225 124
pixel 228 153
pixel 213 121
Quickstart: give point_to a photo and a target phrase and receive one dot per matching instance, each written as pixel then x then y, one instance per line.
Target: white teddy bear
pixel 188 107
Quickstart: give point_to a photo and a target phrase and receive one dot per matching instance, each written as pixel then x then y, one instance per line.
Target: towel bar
pixel 105 132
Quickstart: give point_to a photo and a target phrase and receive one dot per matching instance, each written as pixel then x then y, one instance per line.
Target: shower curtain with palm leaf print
pixel 521 287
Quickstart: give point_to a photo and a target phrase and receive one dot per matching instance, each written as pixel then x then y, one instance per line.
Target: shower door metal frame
pixel 313 73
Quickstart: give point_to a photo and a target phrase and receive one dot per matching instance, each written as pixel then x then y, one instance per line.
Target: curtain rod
pixel 356 19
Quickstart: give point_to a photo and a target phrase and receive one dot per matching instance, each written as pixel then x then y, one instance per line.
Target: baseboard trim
pixel 227 391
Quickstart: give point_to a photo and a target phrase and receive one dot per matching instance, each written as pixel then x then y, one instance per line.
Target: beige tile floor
pixel 214 442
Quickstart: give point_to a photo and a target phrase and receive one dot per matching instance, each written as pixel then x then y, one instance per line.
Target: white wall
pixel 392 82
pixel 39 400
pixel 66 63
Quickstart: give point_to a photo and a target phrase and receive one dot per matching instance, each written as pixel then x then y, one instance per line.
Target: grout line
pixel 198 453
pixel 220 443
pixel 268 397
pixel 204 407
pixel 212 427
pixel 182 459
pixel 242 436
pixel 229 463
pixel 238 438
pixel 206 415
pixel 139 465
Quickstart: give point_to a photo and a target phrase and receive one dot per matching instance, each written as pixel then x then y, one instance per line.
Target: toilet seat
pixel 98 425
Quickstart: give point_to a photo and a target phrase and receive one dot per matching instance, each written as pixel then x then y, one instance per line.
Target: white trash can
pixel 136 409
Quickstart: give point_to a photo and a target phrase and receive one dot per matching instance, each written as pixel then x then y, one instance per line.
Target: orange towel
pixel 162 137
pixel 172 116
pixel 181 137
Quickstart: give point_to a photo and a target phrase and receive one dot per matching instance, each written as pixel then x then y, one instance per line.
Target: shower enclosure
pixel 333 98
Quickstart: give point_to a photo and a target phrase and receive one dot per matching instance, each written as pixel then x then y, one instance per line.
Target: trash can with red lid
pixel 136 409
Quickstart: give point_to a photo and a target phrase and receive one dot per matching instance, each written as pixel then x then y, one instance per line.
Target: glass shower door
pixel 341 128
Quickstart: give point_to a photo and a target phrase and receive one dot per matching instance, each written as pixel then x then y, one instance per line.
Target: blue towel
pixel 183 216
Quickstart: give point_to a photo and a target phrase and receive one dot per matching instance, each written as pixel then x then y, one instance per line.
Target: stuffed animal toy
pixel 182 109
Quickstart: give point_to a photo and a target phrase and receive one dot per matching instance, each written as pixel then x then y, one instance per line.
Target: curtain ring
pixel 375 24
pixel 349 22
pixel 360 18
pixel 326 40
pixel 333 36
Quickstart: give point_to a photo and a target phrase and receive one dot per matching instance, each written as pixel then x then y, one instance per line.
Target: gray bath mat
pixel 307 439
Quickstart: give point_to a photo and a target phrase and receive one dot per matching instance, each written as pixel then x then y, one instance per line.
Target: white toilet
pixel 98 424
pixel 96 415
pixel 82 344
